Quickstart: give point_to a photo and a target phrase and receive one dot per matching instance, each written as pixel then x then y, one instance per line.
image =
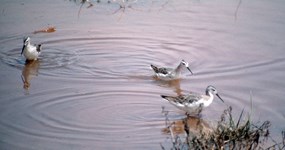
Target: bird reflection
pixel 175 84
pixel 30 69
pixel 193 125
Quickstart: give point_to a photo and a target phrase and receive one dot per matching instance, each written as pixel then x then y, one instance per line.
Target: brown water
pixel 92 87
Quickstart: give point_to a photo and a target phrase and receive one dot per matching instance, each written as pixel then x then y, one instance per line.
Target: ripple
pixel 94 87
pixel 104 57
pixel 113 57
pixel 67 115
pixel 50 57
pixel 56 58
pixel 85 106
pixel 13 58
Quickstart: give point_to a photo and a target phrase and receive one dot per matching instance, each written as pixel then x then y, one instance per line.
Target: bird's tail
pixel 154 68
pixel 169 98
pixel 39 47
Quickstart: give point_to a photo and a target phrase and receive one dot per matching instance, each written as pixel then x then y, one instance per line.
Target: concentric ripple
pixel 85 117
pixel 105 57
pixel 50 58
pixel 93 88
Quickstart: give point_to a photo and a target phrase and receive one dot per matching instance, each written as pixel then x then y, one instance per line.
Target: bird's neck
pixel 29 47
pixel 179 68
pixel 210 100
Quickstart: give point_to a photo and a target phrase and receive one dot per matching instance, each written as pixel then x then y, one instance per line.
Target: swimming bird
pixel 194 103
pixel 170 73
pixel 31 52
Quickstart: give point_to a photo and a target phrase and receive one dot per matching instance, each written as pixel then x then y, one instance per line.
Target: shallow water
pixel 92 87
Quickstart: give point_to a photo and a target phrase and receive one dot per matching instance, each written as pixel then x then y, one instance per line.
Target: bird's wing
pixel 191 98
pixel 182 99
pixel 39 47
pixel 162 70
pixel 159 70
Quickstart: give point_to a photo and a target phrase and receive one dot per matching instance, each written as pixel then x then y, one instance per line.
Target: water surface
pixel 92 87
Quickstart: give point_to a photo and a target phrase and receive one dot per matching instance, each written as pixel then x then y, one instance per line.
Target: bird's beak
pixel 220 98
pixel 23 49
pixel 190 70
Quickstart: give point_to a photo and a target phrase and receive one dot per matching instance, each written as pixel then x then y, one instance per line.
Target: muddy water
pixel 92 87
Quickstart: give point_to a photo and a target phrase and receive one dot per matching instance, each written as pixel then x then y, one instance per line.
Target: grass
pixel 123 5
pixel 230 133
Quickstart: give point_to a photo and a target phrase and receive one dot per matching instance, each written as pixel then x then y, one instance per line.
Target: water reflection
pixel 174 84
pixel 97 69
pixel 123 5
pixel 29 71
pixel 194 125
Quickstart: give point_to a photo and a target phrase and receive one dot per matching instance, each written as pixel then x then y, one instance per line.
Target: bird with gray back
pixel 170 73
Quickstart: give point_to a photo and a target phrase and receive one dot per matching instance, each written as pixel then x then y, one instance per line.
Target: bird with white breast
pixel 30 51
pixel 192 103
pixel 170 73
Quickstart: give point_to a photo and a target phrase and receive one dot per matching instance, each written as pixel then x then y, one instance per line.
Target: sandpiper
pixel 31 52
pixel 170 73
pixel 192 103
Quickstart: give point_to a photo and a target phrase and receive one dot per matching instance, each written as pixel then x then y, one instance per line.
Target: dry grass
pixel 229 134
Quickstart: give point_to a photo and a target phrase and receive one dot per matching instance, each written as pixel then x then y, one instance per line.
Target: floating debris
pixel 45 30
